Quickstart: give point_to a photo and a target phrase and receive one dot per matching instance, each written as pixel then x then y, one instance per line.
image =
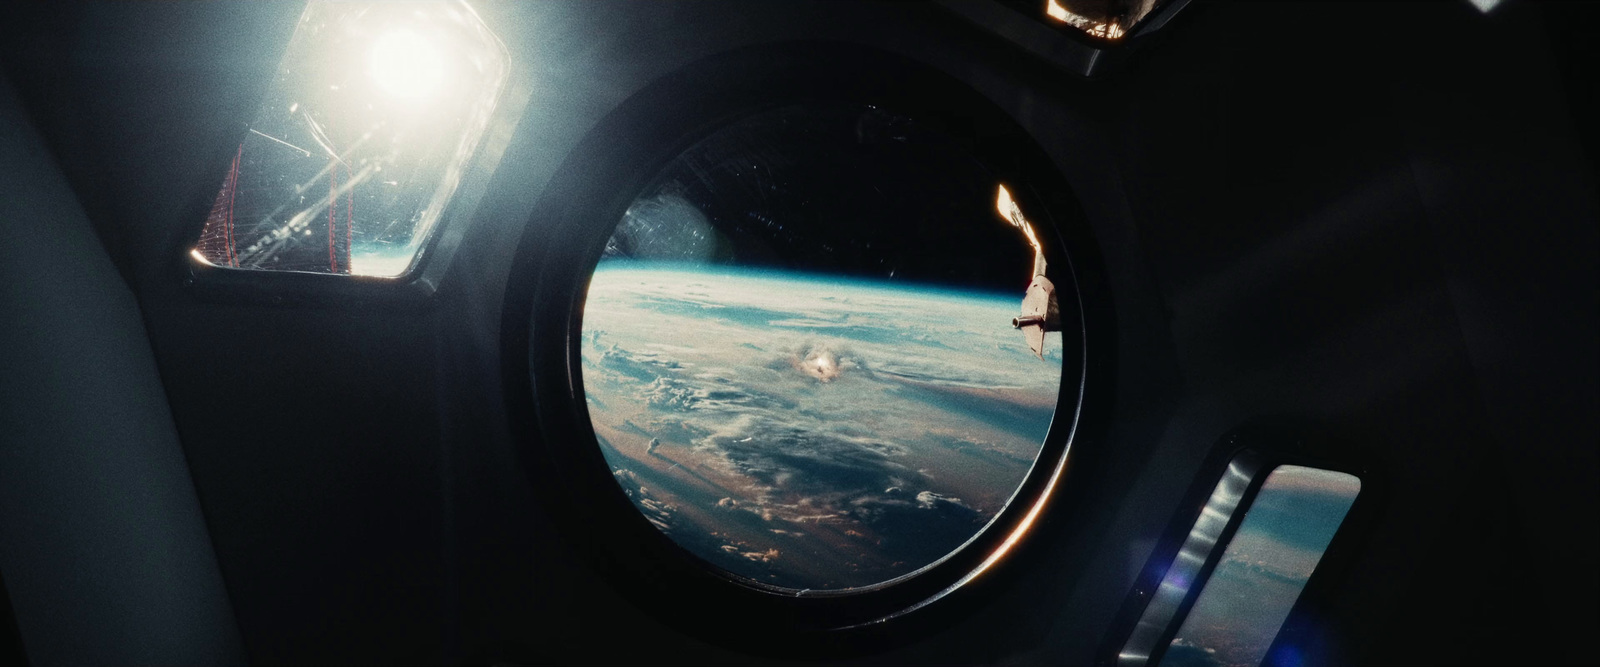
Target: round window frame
pixel 542 324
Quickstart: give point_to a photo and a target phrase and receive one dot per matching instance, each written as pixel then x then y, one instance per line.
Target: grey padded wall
pixel 102 544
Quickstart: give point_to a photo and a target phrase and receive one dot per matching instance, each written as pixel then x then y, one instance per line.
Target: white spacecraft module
pixel 1040 312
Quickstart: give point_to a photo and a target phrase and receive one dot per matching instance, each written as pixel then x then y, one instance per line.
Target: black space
pixel 849 190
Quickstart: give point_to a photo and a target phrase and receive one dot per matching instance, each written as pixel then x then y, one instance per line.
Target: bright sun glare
pixel 406 65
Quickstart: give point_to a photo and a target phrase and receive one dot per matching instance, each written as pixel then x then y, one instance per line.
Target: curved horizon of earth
pixel 806 431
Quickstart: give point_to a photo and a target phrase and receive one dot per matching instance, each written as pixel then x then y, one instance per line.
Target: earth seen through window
pixel 799 355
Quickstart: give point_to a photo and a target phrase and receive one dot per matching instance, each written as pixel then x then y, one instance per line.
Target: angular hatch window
pixel 1267 563
pixel 1258 576
pixel 362 138
pixel 802 354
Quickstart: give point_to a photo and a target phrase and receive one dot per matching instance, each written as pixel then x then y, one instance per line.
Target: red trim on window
pixel 349 225
pixel 333 203
pixel 233 191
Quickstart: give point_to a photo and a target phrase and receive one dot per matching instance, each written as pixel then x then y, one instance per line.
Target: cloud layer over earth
pixel 811 433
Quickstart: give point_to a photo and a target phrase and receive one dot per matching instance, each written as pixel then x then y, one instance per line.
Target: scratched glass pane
pixel 364 135
pixel 1266 565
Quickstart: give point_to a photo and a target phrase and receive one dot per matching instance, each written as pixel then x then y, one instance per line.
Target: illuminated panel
pixel 1013 214
pixel 1266 565
pixel 1105 19
pixel 362 138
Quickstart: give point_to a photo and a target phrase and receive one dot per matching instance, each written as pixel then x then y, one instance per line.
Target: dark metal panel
pixel 102 543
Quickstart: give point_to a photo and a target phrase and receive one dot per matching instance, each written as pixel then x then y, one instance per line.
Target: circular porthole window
pixel 805 346
pixel 798 353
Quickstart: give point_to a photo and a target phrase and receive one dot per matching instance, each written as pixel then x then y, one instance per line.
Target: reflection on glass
pixel 362 138
pixel 1264 568
pixel 798 353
